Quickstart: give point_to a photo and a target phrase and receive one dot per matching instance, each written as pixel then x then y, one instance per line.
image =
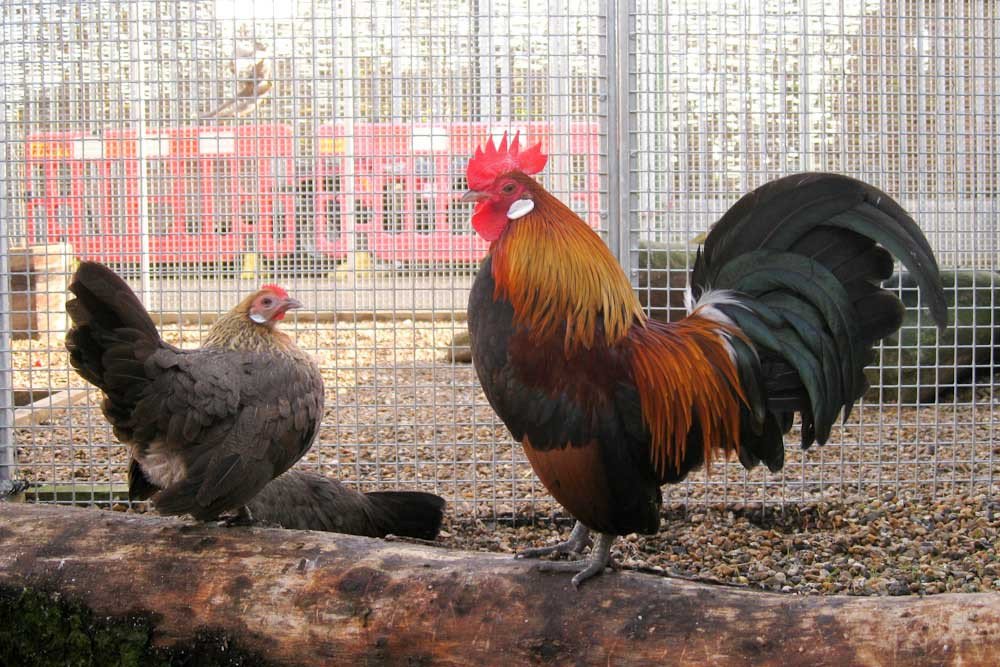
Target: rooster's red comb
pixel 276 289
pixel 491 161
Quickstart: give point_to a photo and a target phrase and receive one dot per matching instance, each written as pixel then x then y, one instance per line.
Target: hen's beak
pixel 290 304
pixel 474 195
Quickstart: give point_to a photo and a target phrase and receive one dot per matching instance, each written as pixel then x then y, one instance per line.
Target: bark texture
pixel 307 598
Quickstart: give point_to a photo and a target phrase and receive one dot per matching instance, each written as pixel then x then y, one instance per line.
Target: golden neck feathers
pixel 555 270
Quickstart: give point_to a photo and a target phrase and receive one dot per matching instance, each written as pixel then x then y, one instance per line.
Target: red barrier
pixel 212 192
pixel 82 189
pixel 406 182
pixel 333 226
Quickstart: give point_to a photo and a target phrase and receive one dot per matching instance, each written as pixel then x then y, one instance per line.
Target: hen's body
pixel 207 429
pixel 609 405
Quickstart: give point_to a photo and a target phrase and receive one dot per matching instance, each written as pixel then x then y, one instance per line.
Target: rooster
pixel 208 428
pixel 609 405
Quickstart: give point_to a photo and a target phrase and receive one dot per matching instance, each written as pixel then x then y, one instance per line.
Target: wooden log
pixel 42 409
pixel 318 599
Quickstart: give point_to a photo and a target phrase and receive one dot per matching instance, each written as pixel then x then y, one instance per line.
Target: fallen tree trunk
pixel 317 599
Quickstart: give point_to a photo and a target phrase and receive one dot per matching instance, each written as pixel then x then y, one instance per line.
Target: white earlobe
pixel 520 208
pixel 258 318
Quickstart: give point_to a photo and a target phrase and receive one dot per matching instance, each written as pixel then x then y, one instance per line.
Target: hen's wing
pixel 234 421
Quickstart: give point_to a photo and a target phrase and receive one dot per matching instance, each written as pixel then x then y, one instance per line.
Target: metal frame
pixel 696 102
pixel 7 449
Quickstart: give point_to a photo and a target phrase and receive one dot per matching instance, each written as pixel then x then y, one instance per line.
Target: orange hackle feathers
pixel 555 270
pixel 491 161
pixel 561 279
pixel 684 375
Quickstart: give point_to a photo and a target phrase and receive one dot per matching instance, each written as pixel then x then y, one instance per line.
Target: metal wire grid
pixel 698 102
pixel 730 95
pixel 348 142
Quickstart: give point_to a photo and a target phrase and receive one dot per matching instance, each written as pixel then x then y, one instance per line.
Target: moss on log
pixel 318 598
pixel 39 628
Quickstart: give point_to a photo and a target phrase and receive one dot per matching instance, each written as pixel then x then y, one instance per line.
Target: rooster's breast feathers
pixel 603 420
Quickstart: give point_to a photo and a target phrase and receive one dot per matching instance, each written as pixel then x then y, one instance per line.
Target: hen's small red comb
pixel 491 161
pixel 276 289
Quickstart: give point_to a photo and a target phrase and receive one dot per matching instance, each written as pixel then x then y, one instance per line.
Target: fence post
pixel 138 112
pixel 620 35
pixel 7 450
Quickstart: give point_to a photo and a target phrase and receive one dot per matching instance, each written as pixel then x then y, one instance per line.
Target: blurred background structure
pixel 204 147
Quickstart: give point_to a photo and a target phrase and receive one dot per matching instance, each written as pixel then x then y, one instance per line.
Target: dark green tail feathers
pixel 803 258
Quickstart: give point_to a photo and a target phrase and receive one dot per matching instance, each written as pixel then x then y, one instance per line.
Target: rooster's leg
pixel 578 539
pixel 589 567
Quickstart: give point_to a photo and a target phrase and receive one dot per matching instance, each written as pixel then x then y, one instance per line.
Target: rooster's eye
pixel 509 189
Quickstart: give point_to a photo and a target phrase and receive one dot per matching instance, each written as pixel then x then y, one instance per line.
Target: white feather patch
pixel 713 297
pixel 706 307
pixel 162 466
pixel 520 208
pixel 258 318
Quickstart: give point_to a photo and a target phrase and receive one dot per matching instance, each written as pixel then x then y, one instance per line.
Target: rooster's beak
pixel 474 195
pixel 291 304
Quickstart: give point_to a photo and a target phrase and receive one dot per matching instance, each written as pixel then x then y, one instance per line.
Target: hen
pixel 207 429
pixel 307 501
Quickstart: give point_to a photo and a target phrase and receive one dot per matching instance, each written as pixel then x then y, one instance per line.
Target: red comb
pixel 491 161
pixel 276 289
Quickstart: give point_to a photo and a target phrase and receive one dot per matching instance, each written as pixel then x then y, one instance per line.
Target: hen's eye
pixel 266 302
pixel 509 189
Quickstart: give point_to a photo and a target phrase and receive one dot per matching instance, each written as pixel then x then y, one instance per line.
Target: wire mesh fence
pixel 205 148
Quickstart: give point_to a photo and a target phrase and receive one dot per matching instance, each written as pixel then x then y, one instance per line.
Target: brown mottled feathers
pixel 308 501
pixel 207 428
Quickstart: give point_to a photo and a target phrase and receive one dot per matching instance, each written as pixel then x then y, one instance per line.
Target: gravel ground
pixel 899 502
pixel 863 546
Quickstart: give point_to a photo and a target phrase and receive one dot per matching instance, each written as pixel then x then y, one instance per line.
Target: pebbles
pixel 900 506
pixel 946 546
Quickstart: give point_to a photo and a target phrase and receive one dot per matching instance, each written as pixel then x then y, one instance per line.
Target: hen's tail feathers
pixel 108 321
pixel 804 257
pixel 407 513
pixel 302 500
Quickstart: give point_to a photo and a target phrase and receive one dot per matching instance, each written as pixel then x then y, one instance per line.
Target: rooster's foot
pixel 589 567
pixel 574 545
